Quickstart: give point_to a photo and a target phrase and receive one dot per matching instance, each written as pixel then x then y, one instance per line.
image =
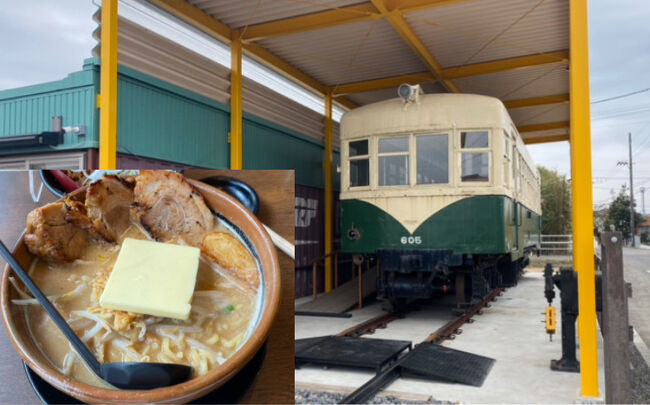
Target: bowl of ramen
pixel 70 248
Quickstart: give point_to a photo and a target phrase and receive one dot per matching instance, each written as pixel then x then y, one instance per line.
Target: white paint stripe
pixel 642 347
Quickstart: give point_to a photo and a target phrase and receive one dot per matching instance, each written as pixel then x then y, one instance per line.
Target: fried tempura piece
pixel 107 203
pixel 51 234
pixel 224 250
pixel 166 206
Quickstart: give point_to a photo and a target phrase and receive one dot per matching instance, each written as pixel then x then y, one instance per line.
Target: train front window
pixel 474 139
pixel 475 166
pixel 394 161
pixel 432 159
pixel 359 163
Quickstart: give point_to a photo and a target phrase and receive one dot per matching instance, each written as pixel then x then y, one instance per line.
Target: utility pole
pixel 632 227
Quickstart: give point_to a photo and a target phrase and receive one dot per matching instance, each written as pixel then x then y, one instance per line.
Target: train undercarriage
pixel 407 275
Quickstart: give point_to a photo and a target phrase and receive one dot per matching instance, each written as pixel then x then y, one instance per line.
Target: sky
pixel 51 38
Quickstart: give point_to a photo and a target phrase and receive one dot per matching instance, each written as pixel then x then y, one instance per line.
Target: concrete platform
pixel 343 297
pixel 510 331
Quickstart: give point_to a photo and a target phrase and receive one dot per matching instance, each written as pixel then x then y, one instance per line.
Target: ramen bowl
pixel 240 221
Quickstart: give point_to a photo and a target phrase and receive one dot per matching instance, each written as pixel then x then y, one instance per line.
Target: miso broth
pixel 223 314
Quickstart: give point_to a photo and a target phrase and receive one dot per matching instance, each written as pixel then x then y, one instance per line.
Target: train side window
pixel 394 161
pixel 474 139
pixel 432 159
pixel 359 163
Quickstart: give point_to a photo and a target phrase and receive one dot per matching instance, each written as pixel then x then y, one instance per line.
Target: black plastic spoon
pixel 131 375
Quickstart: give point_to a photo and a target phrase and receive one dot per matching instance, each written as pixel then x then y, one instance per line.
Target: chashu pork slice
pixel 107 206
pixel 232 258
pixel 51 235
pixel 167 206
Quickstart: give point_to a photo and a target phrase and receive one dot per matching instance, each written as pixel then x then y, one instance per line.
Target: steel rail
pixel 371 325
pixel 368 390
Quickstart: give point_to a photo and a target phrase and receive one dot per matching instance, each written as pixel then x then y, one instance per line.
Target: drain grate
pixel 350 351
pixel 432 361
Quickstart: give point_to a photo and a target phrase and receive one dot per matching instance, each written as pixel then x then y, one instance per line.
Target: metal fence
pixel 556 245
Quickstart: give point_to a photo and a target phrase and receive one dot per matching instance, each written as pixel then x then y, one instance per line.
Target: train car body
pixel 442 192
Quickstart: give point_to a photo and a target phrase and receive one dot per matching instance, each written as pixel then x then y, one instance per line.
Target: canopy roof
pixel 360 52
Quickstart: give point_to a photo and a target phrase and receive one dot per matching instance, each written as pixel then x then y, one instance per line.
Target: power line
pixel 621 96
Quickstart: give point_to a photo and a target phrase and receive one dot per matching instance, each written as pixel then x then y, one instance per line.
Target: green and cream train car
pixel 441 190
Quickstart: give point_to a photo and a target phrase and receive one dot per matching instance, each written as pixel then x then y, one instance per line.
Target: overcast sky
pixel 51 38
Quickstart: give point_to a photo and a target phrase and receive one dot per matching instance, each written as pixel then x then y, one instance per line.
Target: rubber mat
pixel 350 352
pixel 432 361
pixel 302 344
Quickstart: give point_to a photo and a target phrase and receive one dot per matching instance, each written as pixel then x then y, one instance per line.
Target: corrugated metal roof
pixel 478 31
pixel 239 13
pixel 455 33
pixel 384 94
pixel 540 114
pixel 546 133
pixel 347 53
pixel 518 84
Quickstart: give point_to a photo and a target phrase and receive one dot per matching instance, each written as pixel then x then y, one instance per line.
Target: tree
pixel 618 213
pixel 556 202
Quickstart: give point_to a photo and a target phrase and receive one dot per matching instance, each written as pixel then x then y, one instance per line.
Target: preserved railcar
pixel 441 191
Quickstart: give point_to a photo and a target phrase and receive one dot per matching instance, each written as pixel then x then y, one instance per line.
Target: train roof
pixel 433 111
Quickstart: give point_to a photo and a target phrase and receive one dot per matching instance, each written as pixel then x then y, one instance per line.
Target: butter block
pixel 152 278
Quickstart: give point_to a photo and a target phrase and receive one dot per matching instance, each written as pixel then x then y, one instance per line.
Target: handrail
pixel 314 264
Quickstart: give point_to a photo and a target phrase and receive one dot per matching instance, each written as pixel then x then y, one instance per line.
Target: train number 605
pixel 411 240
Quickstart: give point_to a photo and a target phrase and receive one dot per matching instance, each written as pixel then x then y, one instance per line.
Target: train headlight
pixel 353 234
pixel 409 93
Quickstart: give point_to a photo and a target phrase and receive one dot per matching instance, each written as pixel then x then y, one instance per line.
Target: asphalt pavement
pixel 636 264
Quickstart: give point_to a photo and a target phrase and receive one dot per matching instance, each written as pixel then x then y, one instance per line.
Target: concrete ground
pixel 636 264
pixel 510 331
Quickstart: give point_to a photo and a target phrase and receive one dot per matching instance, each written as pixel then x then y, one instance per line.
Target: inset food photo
pixel 147 286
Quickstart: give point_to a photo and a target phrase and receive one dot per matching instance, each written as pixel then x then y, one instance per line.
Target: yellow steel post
pixel 329 206
pixel 582 209
pixel 236 136
pixel 108 87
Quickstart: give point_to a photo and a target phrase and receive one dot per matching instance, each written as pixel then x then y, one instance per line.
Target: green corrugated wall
pixel 160 121
pixel 29 110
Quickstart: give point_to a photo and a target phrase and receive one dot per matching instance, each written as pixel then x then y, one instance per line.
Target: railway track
pixel 448 331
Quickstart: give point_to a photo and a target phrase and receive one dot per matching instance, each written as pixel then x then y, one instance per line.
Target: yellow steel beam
pixel 334 17
pixel 581 201
pixel 537 101
pixel 309 22
pixel 546 139
pixel 508 64
pixel 404 30
pixel 407 6
pixel 108 87
pixel 386 83
pixel 329 205
pixel 222 32
pixel 195 17
pixel 475 69
pixel 236 135
pixel 543 127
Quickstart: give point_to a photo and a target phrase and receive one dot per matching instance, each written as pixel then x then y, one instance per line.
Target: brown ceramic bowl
pixel 240 217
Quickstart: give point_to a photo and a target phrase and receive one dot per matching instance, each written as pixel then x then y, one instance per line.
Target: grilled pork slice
pixel 52 236
pixel 166 206
pixel 228 253
pixel 107 203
